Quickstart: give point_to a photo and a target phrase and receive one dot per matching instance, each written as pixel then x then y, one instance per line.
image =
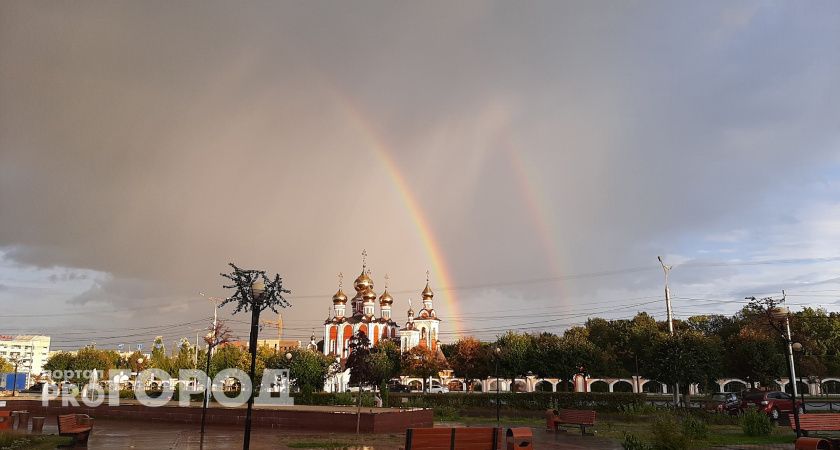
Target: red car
pixel 772 403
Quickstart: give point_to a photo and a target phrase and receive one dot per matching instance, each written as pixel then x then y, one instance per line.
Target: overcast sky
pixel 551 149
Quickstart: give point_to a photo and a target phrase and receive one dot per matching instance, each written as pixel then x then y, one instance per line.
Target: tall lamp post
pixel 16 361
pixel 779 318
pixel 254 292
pixel 798 348
pixel 219 334
pixel 498 353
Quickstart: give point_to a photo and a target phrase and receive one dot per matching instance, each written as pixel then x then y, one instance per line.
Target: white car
pixel 437 388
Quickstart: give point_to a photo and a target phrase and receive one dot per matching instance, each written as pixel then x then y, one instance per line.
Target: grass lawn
pixel 11 439
pixel 613 426
pixel 318 441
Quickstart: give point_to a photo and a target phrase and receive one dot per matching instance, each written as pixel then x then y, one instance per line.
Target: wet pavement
pixel 120 434
pixel 123 434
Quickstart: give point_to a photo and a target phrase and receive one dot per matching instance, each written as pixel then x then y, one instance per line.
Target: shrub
pixel 694 428
pixel 638 409
pixel 530 401
pixel 667 434
pixel 756 423
pixel 343 398
pixel 633 442
pixel 446 413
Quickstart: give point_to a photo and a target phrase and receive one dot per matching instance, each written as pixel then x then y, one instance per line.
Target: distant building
pixel 420 330
pixel 35 349
pixel 278 345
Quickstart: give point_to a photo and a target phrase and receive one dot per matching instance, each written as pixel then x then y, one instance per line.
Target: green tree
pixel 159 359
pixel 136 362
pixel 385 362
pixel 575 351
pixel 60 361
pixel 309 369
pixel 684 358
pixel 755 358
pixel 229 357
pixel 515 359
pixel 184 358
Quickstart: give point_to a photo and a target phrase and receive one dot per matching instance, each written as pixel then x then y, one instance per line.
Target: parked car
pixel 723 402
pixel 396 386
pixel 772 403
pixel 37 388
pixel 437 388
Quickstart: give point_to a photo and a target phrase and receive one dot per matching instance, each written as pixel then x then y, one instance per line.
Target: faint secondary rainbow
pixel 376 142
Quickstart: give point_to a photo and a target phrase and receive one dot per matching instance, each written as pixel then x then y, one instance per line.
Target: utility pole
pixel 667 269
pixel 279 324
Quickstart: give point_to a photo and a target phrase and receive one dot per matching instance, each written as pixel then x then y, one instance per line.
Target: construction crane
pixel 278 323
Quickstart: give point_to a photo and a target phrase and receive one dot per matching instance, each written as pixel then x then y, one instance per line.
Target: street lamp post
pixel 781 314
pixel 498 353
pixel 779 319
pixel 219 334
pixel 257 290
pixel 254 292
pixel 16 361
pixel 797 347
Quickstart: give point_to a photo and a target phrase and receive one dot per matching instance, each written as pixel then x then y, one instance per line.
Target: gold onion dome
pixel 368 295
pixel 363 283
pixel 386 299
pixel 427 292
pixel 339 297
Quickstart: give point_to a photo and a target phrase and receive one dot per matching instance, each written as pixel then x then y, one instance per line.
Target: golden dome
pixel 386 299
pixel 363 282
pixel 339 297
pixel 427 292
pixel 368 295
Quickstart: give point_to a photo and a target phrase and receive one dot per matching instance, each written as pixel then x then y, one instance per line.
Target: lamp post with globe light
pixel 779 319
pixel 253 292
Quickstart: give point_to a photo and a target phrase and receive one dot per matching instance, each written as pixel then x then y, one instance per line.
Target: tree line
pixel 702 349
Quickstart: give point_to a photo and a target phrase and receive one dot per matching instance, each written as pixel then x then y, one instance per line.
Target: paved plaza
pixel 111 434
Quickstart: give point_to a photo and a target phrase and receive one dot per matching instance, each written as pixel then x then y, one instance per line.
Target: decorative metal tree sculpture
pixel 254 291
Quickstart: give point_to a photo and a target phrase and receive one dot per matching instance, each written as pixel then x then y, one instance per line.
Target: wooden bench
pixel 78 426
pixel 816 422
pixel 452 439
pixel 579 417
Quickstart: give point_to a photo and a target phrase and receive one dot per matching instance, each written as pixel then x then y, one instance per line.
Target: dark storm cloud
pixel 154 142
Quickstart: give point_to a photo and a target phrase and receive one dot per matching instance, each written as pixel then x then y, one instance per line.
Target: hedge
pixel 522 401
pixel 529 401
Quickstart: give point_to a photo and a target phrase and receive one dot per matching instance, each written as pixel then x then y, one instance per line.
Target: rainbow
pixel 537 206
pixel 376 142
